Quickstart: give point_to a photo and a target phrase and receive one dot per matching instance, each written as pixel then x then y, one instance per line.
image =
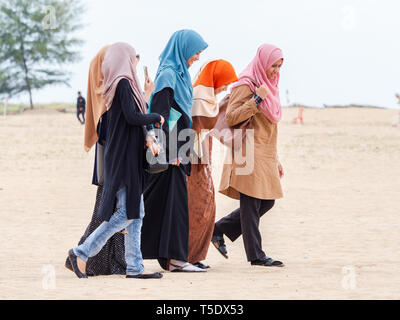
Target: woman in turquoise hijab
pixel 165 229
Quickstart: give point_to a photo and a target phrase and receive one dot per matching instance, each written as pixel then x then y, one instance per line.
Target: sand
pixel 336 229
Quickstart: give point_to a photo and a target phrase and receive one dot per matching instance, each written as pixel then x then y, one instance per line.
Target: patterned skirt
pixel 201 196
pixel 111 258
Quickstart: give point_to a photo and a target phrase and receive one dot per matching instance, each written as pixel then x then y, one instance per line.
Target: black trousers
pixel 245 221
pixel 78 113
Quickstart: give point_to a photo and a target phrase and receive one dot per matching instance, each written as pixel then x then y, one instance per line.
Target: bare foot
pixel 81 265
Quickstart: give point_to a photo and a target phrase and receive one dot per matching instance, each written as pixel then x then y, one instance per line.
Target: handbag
pixel 229 136
pixel 156 164
pixel 159 163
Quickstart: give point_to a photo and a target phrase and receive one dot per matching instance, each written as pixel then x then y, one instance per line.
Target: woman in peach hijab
pixel 122 204
pixel 111 258
pixel 95 133
pixel 212 79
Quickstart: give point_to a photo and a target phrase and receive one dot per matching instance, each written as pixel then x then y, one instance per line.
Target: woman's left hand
pixel 280 169
pixel 149 86
pixel 148 89
pixel 159 124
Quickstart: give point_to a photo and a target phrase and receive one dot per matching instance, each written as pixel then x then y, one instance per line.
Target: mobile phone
pixel 146 72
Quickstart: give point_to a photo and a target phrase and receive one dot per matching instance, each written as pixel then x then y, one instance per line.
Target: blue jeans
pixel 119 221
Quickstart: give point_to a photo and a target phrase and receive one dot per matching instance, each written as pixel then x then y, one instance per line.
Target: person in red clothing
pixel 299 116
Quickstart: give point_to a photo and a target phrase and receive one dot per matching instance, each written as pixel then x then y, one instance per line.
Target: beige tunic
pixel 261 180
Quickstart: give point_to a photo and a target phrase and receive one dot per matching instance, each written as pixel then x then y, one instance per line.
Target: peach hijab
pixel 95 104
pixel 108 67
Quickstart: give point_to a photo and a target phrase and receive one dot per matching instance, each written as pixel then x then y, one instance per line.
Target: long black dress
pixel 165 230
pixel 111 258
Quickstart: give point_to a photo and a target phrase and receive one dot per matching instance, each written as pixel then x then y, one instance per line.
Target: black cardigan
pixel 124 152
pixel 102 134
pixel 162 103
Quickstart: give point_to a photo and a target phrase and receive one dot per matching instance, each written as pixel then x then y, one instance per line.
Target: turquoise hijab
pixel 173 71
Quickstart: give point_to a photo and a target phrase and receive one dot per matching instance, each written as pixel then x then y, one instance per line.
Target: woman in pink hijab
pixel 256 181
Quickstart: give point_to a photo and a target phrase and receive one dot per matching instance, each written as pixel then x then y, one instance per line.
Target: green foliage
pixel 36 40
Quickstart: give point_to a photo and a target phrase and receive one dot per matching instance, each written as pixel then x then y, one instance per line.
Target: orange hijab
pixel 212 75
pixel 95 104
pixel 216 73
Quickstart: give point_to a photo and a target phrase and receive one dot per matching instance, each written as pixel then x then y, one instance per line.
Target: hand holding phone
pixel 148 84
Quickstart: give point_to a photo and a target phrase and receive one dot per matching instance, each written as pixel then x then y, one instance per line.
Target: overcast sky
pixel 336 51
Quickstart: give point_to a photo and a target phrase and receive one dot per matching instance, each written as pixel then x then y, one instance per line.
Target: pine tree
pixel 36 40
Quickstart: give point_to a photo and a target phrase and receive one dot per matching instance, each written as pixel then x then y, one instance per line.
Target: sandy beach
pixel 336 229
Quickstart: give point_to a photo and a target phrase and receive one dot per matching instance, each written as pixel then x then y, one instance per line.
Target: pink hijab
pixel 255 72
pixel 118 64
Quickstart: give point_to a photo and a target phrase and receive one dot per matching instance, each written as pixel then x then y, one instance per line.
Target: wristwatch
pixel 257 98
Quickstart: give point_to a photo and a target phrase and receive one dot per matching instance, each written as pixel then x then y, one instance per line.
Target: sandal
pixel 219 244
pixel 187 267
pixel 201 265
pixel 267 262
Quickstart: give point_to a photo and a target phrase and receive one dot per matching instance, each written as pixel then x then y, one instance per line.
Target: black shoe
pixel 219 243
pixel 201 265
pixel 73 259
pixel 68 265
pixel 267 262
pixel 155 275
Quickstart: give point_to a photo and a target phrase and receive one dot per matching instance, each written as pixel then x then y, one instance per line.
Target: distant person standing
pixel 287 98
pixel 398 101
pixel 80 108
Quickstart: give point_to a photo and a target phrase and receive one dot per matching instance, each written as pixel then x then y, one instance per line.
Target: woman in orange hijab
pixel 213 78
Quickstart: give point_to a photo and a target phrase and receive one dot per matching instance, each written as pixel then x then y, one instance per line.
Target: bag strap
pixel 252 81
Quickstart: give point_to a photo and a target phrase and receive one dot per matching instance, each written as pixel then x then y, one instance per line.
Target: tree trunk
pixel 28 84
pixel 30 98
